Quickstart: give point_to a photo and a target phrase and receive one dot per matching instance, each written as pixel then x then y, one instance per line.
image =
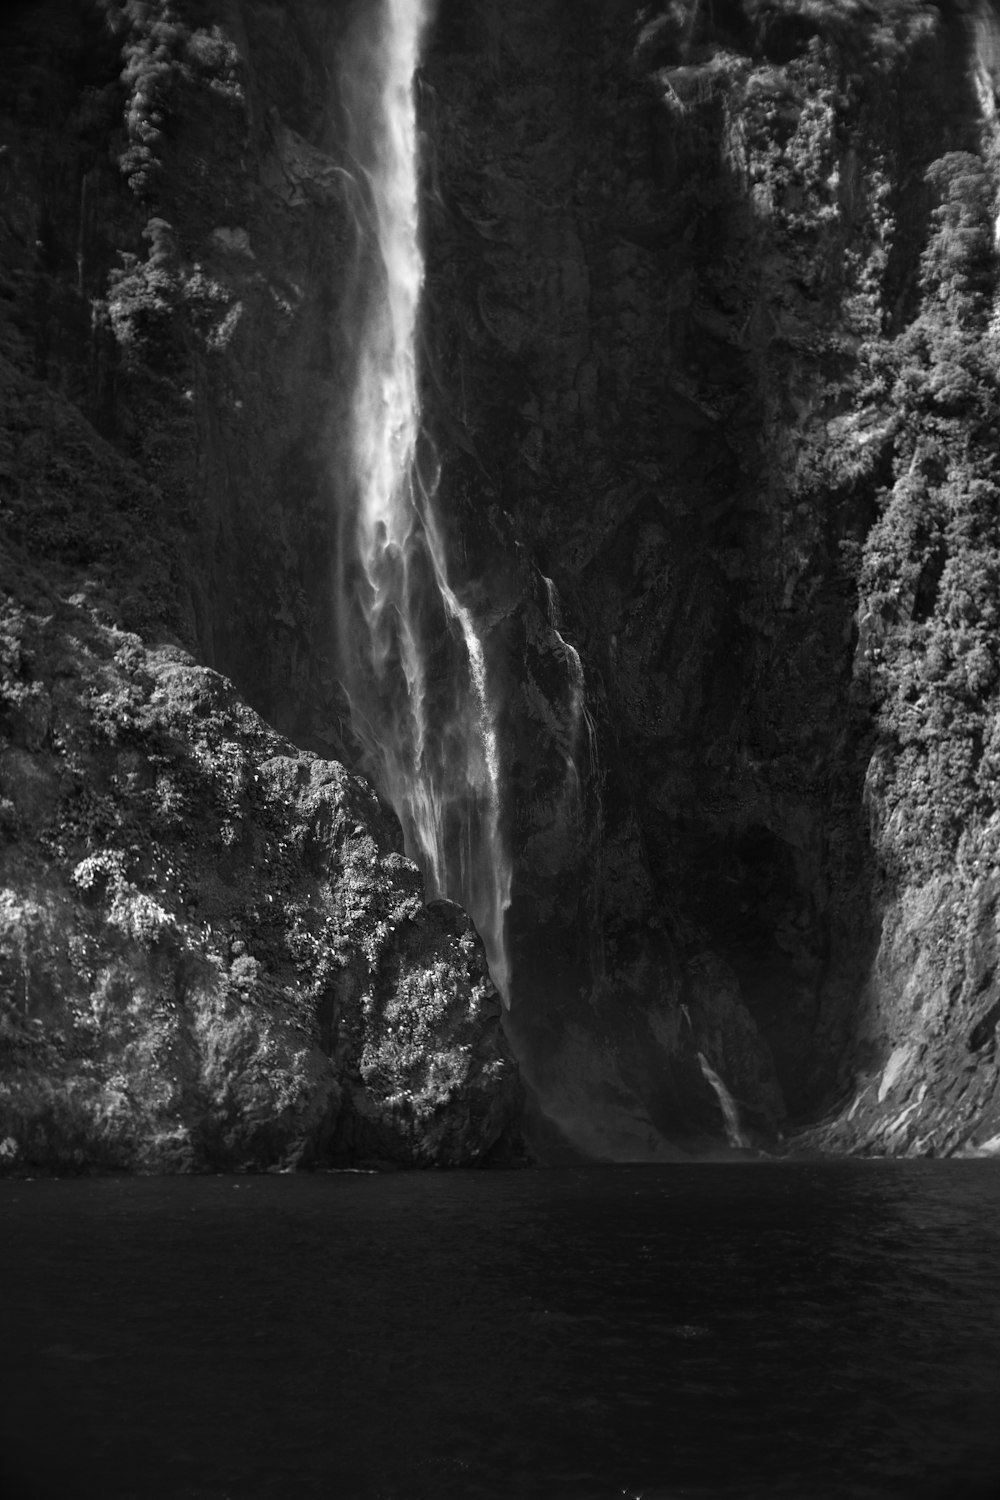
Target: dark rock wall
pixel 174 242
pixel 676 258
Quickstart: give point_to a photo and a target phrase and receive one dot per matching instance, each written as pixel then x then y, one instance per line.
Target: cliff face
pixel 709 275
pixel 711 368
pixel 174 242
pixel 212 951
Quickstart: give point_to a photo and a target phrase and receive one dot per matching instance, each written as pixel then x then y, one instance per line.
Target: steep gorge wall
pixel 681 266
pixel 694 314
pixel 176 234
pixel 212 950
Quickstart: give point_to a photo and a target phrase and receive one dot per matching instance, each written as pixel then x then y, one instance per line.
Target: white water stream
pixel 411 659
pixel 730 1112
pixel 579 714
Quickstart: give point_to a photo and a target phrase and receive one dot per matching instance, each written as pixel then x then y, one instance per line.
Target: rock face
pixel 212 952
pixel 708 276
pixel 173 242
pixel 712 373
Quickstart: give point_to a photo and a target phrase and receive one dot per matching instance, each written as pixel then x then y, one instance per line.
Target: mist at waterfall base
pixel 816 1331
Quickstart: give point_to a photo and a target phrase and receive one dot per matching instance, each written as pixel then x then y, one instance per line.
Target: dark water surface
pixel 743 1330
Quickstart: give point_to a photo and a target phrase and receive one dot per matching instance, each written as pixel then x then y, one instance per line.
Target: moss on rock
pixel 212 952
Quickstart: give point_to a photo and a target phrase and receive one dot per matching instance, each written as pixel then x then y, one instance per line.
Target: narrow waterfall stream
pixel 580 717
pixel 730 1112
pixel 411 659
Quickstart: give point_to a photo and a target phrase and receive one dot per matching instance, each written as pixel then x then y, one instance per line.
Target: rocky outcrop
pixel 926 1066
pixel 212 952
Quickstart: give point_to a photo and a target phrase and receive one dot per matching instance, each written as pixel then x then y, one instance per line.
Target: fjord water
pixel 826 1329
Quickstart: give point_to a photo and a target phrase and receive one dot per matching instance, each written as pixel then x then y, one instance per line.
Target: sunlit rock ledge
pixel 212 953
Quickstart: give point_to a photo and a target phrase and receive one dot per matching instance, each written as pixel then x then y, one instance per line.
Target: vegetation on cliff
pixel 730 270
pixel 713 356
pixel 213 953
pixel 929 651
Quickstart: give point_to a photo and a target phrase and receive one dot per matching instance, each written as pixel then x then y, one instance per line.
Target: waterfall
pixel 411 660
pixel 730 1114
pixel 579 714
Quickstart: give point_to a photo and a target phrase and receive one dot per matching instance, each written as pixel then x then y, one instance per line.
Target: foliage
pixel 162 308
pixel 143 297
pixel 958 266
pixel 205 939
pixel 930 575
pixel 163 51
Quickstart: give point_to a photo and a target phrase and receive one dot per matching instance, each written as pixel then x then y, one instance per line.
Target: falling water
pixel 411 660
pixel 730 1114
pixel 579 715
